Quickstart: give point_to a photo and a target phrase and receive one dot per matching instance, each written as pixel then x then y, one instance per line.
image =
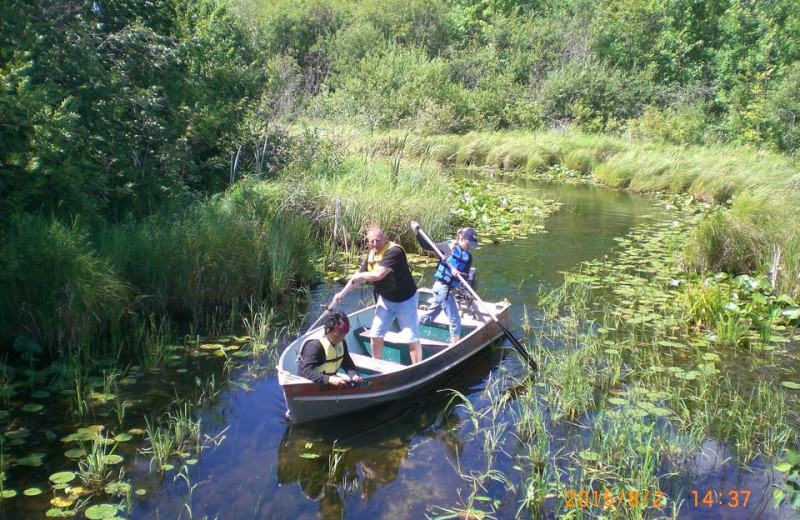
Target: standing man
pixel 387 268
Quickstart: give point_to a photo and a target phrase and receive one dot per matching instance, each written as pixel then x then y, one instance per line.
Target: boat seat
pixel 375 365
pixel 399 339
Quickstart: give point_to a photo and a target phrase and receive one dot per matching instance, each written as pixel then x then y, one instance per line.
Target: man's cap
pixel 471 235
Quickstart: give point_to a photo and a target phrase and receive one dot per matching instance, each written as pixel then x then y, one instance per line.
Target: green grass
pixel 758 189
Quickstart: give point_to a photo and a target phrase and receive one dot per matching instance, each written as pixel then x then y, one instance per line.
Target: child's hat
pixel 471 235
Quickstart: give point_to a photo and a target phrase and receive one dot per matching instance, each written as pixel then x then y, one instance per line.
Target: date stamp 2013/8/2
pixel 632 498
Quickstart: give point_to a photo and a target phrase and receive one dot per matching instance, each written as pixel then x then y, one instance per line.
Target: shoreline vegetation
pixel 169 175
pixel 646 372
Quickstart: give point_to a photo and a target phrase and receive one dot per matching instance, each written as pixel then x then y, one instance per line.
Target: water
pixel 404 460
pixel 401 461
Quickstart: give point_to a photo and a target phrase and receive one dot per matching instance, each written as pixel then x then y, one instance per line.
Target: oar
pixel 514 342
pixel 329 308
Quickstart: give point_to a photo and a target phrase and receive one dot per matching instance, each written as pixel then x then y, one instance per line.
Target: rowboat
pixel 393 377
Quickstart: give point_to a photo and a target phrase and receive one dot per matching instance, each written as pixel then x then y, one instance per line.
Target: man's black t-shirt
pixel 398 285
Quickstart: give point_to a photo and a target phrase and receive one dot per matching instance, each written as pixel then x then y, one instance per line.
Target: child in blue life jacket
pixel 459 258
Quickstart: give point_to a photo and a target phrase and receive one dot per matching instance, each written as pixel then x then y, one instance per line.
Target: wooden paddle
pixel 329 308
pixel 514 342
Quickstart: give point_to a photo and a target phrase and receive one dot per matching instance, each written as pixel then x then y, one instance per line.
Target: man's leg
pixel 409 323
pixel 376 345
pixel 415 351
pixel 380 325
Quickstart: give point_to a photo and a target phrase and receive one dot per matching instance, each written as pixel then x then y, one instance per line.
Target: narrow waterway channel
pixel 398 462
pixel 409 460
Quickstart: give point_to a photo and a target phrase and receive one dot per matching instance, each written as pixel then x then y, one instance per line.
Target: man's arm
pixel 349 366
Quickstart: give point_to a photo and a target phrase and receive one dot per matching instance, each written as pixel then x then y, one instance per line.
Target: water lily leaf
pixel 589 455
pixel 309 455
pixel 140 492
pixel 32 407
pixel 101 512
pixel 791 385
pixel 32 492
pixel 102 397
pixel 62 502
pixel 618 401
pixel 710 356
pixel 8 493
pixel 661 412
pixel 783 466
pixel 33 460
pixel 40 394
pixel 118 488
pixel 62 477
pixel 777 498
pixel 113 459
pixel 123 437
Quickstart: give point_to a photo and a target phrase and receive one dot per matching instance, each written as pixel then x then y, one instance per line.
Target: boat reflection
pixel 351 457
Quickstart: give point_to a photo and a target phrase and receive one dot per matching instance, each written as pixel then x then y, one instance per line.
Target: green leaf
pixel 783 466
pixel 777 497
pixel 62 477
pixel 101 512
pixel 791 385
pixel 589 455
pixel 309 455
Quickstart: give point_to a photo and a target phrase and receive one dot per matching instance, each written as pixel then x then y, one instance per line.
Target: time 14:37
pixel 711 498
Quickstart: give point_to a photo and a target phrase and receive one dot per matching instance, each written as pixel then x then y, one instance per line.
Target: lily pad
pixel 75 453
pixel 589 455
pixel 118 488
pixel 40 394
pixel 33 460
pixel 661 412
pixel 32 407
pixel 113 459
pixel 101 512
pixel 62 477
pixel 102 397
pixel 8 493
pixel 62 502
pixel 32 492
pixel 791 385
pixel 123 437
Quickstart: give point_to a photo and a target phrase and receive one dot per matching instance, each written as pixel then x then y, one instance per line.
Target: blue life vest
pixel 459 259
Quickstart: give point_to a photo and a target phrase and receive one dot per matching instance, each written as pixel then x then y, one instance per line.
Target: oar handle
pixel 330 306
pixel 514 341
pixel 458 274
